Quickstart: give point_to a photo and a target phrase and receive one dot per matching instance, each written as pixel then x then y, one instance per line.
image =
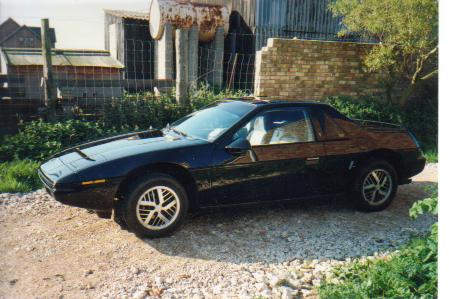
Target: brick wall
pixel 313 70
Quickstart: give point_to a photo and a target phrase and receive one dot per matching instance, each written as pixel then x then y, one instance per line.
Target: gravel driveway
pixel 49 250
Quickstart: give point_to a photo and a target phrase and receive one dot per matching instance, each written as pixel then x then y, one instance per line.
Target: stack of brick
pixel 313 70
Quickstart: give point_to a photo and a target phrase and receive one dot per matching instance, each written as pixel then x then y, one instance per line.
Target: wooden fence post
pixel 49 88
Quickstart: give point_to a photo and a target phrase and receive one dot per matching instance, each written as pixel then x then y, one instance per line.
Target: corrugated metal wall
pixel 271 13
pixel 309 19
pixel 247 9
pixel 270 20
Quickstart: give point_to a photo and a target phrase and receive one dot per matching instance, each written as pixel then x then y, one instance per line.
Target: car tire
pixel 375 186
pixel 104 214
pixel 155 206
pixel 118 215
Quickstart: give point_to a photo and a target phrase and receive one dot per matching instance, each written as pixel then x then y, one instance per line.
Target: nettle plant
pixel 409 273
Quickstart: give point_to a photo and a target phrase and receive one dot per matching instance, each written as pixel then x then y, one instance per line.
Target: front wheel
pixel 375 186
pixel 156 206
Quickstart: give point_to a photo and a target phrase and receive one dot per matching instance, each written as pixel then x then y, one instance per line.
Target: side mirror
pixel 238 147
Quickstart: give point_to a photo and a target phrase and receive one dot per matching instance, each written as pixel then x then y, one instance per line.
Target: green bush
pixel 367 108
pixel 140 111
pixel 38 140
pixel 19 176
pixel 419 115
pixel 136 113
pixel 411 273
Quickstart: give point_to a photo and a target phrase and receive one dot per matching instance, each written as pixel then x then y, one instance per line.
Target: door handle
pixel 313 159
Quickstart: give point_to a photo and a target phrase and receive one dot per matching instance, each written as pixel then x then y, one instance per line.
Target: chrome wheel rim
pixel 377 187
pixel 158 208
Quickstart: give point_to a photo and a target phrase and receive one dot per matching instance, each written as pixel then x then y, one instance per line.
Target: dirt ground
pixel 53 251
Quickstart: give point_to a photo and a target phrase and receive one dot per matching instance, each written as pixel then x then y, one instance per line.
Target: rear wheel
pixel 156 206
pixel 375 186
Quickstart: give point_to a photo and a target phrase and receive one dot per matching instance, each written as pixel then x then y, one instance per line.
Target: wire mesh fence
pixel 87 82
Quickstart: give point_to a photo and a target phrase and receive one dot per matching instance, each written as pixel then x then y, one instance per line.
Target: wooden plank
pixel 49 88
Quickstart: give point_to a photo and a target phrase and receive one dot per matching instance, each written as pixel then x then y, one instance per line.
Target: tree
pixel 407 31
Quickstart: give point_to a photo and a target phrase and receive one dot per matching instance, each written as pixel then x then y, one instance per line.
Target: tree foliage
pixel 408 34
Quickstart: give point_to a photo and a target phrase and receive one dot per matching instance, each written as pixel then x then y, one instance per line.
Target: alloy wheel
pixel 158 208
pixel 377 187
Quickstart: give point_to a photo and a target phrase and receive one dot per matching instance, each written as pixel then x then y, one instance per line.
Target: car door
pixel 340 148
pixel 283 154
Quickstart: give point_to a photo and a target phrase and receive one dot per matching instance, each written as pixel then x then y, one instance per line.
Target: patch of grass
pixel 19 176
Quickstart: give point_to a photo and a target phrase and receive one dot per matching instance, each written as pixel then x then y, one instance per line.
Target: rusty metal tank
pixel 185 14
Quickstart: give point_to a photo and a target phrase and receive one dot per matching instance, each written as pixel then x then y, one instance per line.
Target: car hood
pixel 94 153
pixel 129 146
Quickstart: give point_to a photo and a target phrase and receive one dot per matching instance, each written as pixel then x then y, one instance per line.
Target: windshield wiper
pixel 179 132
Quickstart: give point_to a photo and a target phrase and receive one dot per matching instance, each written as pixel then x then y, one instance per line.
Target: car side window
pixel 278 126
pixel 327 128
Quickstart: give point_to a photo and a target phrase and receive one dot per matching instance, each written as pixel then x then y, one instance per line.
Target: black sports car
pixel 234 152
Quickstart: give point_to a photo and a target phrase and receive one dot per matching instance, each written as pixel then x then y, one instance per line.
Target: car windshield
pixel 211 122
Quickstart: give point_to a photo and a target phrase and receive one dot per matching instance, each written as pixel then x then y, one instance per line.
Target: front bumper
pixel 96 197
